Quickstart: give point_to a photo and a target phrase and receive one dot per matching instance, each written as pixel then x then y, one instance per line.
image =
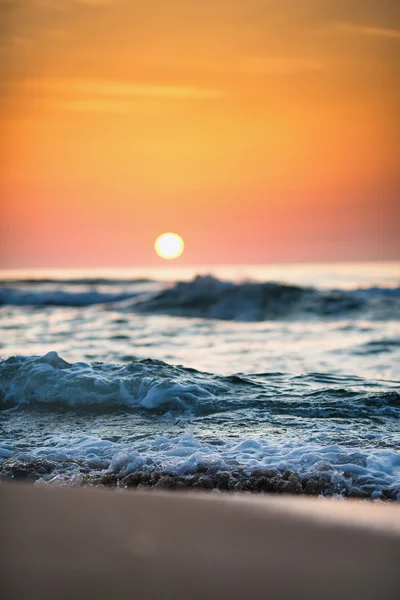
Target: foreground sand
pixel 91 543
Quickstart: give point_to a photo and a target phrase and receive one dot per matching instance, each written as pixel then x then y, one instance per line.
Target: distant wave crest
pixel 59 297
pixel 208 297
pixel 211 298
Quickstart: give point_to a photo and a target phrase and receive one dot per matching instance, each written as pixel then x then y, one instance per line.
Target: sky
pixel 259 130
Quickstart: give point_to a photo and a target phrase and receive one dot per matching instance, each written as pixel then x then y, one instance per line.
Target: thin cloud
pixel 110 96
pixel 111 89
pixel 380 32
pixel 99 106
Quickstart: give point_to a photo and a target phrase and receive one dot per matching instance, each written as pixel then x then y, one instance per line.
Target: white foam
pixel 187 454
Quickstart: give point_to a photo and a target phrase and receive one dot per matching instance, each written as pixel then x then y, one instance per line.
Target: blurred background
pixel 260 131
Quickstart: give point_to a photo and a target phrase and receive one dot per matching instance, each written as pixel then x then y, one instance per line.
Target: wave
pixel 211 298
pixel 152 385
pixel 100 424
pixel 56 297
pixel 76 281
pixel 379 346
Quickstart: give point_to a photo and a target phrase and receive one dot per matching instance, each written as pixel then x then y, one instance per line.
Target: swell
pixel 59 297
pixel 211 298
pixel 379 346
pixel 156 387
pixel 76 281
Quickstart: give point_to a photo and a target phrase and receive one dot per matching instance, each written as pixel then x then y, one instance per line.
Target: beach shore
pixel 92 543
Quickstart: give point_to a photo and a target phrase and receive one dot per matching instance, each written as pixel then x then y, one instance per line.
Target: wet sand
pixel 92 543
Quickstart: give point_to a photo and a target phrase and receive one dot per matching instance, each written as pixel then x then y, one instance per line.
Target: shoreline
pixel 238 479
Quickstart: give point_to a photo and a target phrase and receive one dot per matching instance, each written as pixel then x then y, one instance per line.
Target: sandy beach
pixel 92 543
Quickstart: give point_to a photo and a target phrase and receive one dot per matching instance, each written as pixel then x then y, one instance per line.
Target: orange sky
pixel 259 130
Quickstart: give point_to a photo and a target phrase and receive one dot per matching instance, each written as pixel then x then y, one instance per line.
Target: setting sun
pixel 169 245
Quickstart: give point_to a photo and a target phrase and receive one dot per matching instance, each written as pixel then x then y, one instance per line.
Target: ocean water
pixel 248 378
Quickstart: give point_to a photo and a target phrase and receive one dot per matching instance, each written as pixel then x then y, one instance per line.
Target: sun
pixel 169 245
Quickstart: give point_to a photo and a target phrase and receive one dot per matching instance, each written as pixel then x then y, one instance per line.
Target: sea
pixel 249 378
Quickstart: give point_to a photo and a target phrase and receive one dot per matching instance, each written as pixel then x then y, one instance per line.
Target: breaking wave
pixel 153 385
pixel 107 424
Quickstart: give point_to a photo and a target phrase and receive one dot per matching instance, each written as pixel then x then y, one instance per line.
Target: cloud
pixel 121 90
pixel 99 106
pixel 112 96
pixel 368 31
